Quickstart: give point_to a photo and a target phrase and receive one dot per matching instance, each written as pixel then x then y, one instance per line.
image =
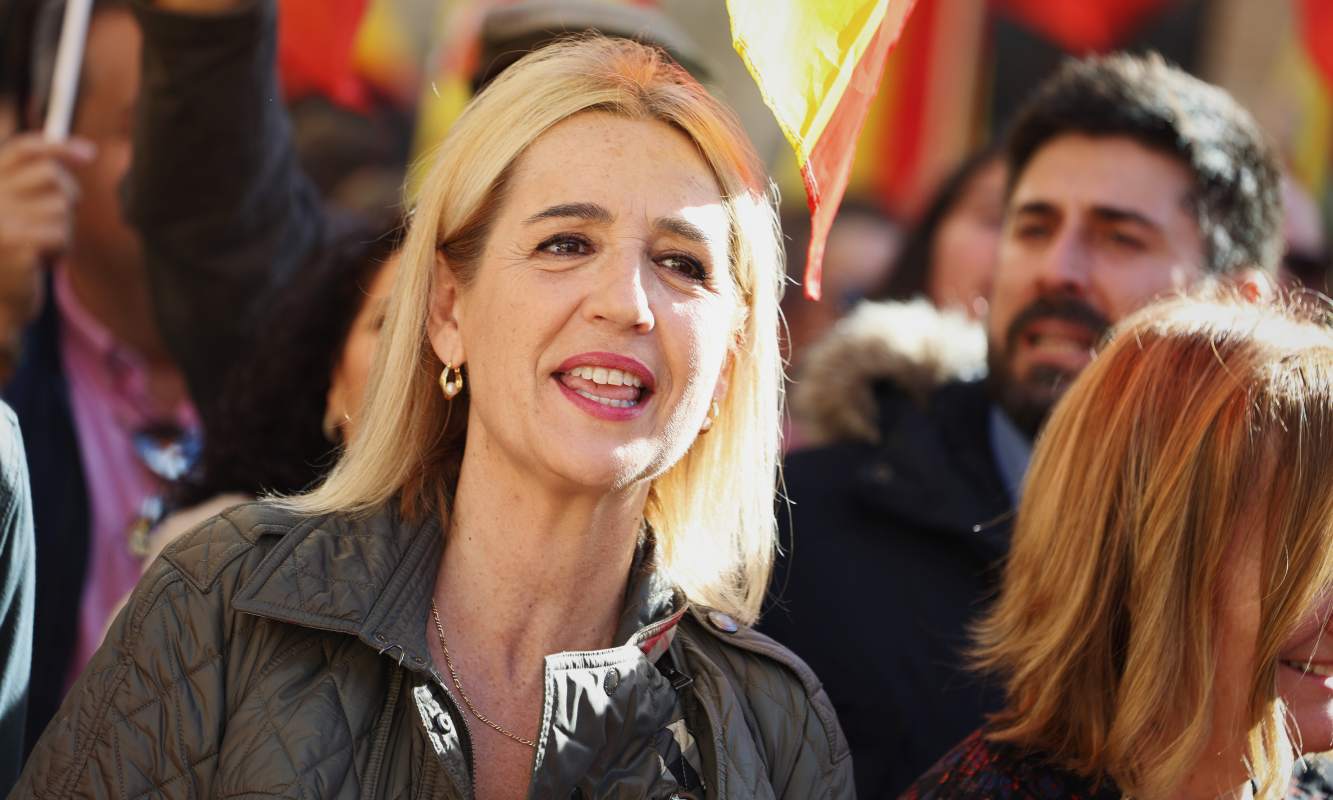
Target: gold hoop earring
pixel 451 380
pixel 713 412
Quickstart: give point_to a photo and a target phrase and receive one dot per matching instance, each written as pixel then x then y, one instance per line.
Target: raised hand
pixel 37 198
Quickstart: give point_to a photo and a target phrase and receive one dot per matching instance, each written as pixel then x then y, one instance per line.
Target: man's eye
pixel 688 266
pixel 566 245
pixel 1126 241
pixel 1030 231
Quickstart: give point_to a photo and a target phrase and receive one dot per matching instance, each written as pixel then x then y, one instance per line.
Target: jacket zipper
pixel 458 711
pixel 458 714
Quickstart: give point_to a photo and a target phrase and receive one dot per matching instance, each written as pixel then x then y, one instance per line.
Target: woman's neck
pixel 531 569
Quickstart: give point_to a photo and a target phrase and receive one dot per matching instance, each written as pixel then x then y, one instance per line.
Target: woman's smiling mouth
pixel 606 385
pixel 610 387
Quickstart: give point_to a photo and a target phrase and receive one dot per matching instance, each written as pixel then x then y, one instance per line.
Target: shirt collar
pixel 109 370
pixel 87 330
pixel 1012 450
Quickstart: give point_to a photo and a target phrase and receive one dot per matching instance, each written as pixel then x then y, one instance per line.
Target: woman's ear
pixel 443 322
pixel 335 409
pixel 724 378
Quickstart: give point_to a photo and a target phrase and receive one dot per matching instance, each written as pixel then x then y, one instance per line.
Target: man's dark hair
pixel 1237 195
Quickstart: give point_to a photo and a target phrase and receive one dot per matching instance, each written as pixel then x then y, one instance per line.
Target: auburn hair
pixel 1199 414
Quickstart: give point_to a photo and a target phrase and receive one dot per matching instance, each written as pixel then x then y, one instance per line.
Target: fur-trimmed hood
pixel 912 344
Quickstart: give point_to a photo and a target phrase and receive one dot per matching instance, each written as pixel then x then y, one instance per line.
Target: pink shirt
pixel 110 401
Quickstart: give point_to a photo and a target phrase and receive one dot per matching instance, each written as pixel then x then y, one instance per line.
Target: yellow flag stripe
pixel 802 55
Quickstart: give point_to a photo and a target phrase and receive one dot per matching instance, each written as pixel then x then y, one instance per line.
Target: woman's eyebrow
pixel 682 228
pixel 586 211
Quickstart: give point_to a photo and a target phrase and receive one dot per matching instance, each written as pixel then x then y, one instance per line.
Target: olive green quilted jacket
pixel 272 655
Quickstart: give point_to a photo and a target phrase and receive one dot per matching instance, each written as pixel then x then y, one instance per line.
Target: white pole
pixel 69 61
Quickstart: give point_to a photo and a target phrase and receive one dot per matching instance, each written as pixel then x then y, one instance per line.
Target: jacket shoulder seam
pixel 203 553
pixel 757 644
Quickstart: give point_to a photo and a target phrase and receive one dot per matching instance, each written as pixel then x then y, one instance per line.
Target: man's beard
pixel 1028 400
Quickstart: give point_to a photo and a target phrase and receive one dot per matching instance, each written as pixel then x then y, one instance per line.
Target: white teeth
pixel 606 401
pixel 1057 343
pixel 1322 670
pixel 606 377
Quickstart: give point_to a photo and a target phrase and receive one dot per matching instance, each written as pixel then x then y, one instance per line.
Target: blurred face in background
pixel 351 375
pixel 109 88
pixel 963 251
pixel 1096 227
pixel 859 253
pixel 857 257
pixel 9 117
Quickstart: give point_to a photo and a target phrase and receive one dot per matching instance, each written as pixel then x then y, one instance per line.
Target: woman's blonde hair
pixel 713 510
pixel 1198 416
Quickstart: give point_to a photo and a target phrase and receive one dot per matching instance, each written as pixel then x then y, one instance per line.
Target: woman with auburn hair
pixel 533 571
pixel 1162 625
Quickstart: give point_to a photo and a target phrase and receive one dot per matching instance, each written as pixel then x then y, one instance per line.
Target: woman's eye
pixel 566 245
pixel 688 266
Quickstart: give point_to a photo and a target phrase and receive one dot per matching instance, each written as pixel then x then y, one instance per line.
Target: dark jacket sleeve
pixel 16 596
pixel 146 716
pixel 215 188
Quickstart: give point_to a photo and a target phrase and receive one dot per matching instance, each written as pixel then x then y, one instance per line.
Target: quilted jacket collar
pixel 372 576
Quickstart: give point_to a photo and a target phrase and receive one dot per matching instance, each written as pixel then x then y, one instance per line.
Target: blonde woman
pixel 534 570
pixel 1161 628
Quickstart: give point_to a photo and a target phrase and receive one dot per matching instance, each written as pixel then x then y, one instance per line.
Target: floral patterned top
pixel 977 768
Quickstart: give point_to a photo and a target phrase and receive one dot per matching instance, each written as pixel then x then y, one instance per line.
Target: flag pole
pixel 69 60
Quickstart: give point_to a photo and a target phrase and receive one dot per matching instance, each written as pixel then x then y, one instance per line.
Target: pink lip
pixel 610 361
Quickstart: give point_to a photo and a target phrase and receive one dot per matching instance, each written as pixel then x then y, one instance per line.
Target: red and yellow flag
pixel 818 65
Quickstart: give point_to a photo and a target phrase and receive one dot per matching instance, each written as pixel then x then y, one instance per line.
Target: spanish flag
pixel 818 65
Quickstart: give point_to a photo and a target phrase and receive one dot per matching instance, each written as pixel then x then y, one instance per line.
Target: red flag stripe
pixel 828 168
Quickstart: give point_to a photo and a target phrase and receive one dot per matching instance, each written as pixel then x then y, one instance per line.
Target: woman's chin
pixel 1310 703
pixel 610 470
pixel 1316 727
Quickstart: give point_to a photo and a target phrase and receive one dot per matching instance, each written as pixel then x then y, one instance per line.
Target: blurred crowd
pixel 192 287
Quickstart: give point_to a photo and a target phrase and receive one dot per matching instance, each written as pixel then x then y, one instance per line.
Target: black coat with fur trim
pixel 895 534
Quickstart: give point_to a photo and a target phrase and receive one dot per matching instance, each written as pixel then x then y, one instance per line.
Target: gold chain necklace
pixel 453 673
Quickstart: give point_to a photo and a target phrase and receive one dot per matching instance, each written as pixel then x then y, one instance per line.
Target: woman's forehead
pixel 619 163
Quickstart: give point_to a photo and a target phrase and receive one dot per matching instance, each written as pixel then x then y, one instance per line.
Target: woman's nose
pixel 620 294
